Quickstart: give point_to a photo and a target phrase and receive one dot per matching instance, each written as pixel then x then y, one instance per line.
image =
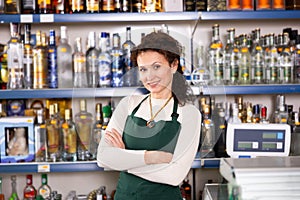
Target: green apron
pixel 137 136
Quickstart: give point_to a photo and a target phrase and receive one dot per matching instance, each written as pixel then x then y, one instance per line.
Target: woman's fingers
pixel 114 138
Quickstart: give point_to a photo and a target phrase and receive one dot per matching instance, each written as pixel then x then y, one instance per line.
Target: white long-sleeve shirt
pixel 133 161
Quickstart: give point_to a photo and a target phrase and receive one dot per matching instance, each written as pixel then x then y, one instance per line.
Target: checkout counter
pixel 259 167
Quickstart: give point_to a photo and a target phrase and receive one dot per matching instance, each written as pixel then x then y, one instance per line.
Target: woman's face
pixel 156 73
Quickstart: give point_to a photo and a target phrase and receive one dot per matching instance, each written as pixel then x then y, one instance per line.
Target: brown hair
pixel 170 49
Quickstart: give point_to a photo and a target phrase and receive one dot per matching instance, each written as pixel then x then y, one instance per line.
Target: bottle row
pixel 43 134
pixel 248 59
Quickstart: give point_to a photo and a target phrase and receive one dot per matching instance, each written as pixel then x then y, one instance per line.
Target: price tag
pixel 44 168
pixel 26 18
pixel 46 18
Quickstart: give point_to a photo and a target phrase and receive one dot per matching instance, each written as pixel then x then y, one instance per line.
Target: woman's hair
pixel 171 50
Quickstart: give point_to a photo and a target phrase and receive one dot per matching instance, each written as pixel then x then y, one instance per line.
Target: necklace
pixel 150 122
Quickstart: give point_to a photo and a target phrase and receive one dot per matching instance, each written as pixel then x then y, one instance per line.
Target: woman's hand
pixel 114 138
pixel 157 157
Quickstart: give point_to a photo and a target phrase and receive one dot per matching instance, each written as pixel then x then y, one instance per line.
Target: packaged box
pixel 16 139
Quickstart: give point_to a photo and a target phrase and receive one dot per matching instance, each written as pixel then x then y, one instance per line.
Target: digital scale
pixel 250 140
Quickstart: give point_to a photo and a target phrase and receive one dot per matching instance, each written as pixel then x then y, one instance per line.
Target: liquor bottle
pixel 118 6
pixel 256 114
pixel 1 193
pixel 40 137
pixel 52 61
pixel 28 58
pixel 186 72
pixel 107 111
pixel 186 189
pixel 40 66
pixel 2 111
pixel 231 62
pixel 105 61
pixel 92 6
pixel 235 115
pixel 130 77
pixel 215 57
pixel 244 62
pixel 45 6
pixel 151 6
pixel 79 65
pixel 189 5
pixel 125 4
pixel 29 6
pixel 62 7
pixel 263 4
pixel 117 64
pixel 2 6
pixel 136 6
pixel 97 130
pixel 295 137
pixel 64 60
pixel 297 60
pixel 263 114
pixel 44 190
pixel 15 59
pixel 92 61
pixel 272 62
pixel 14 194
pixel 107 6
pixel 234 5
pixel 69 135
pixel 4 70
pixel 84 127
pixel 286 62
pixel 53 136
pixel 29 192
pixel 208 134
pixel 201 5
pixel 78 6
pixel 257 60
pixel 12 6
pixel 200 74
pixel 278 4
pixel 247 4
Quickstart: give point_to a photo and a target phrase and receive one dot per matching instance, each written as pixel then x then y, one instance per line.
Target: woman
pixel 152 139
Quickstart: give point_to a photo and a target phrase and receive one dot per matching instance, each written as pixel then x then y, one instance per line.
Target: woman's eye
pixel 156 66
pixel 142 69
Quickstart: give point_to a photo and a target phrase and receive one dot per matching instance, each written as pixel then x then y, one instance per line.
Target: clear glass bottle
pixel 69 134
pixel 62 7
pixel 244 62
pixel 215 57
pixel 286 62
pixel 29 192
pixel 53 136
pixel 28 58
pixel 64 60
pixel 130 77
pixel 12 6
pixel 40 65
pixel 40 137
pixel 2 6
pixel 92 60
pixel 186 71
pixel 257 59
pixel 44 190
pixel 208 134
pixel 15 59
pixel 79 66
pixel 52 61
pixel 105 61
pixel 97 131
pixel 297 60
pixel 117 63
pixel 272 62
pixel 84 127
pixel 235 114
pixel 200 74
pixel 14 193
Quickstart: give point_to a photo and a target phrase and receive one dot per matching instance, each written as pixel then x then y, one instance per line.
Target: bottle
pixel 14 194
pixel 53 136
pixel 215 59
pixel 1 193
pixel 52 62
pixel 92 61
pixel 189 5
pixel 117 64
pixel 69 135
pixel 263 113
pixel 12 7
pixel 29 7
pixel 263 4
pixel 130 77
pixel 286 62
pixel 84 126
pixel 187 189
pixel 45 6
pixel 105 61
pixel 78 6
pixel 151 6
pixel 107 6
pixel 125 4
pixel 231 61
pixel 62 7
pixel 278 4
pixel 235 115
pixel 272 62
pixel 186 72
pixel 79 66
pixel 64 60
pixel 40 66
pixel 29 192
pixel 2 6
pixel 92 6
pixel 107 111
pixel 40 137
pixel 256 114
pixel 44 190
pixel 244 62
pixel 137 6
pixel 208 134
pixel 295 137
pixel 4 70
pixel 257 60
pixel 28 58
pixel 97 130
pixel 297 60
pixel 233 5
pixel 15 59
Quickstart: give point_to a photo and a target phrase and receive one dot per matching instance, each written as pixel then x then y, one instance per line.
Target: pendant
pixel 150 123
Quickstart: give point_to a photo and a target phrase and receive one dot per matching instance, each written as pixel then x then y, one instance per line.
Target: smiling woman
pixel 157 143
